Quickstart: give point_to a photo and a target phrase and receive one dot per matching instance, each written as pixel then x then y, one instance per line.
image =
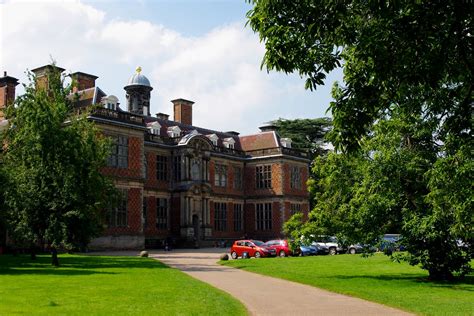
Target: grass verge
pixel 93 285
pixel 375 279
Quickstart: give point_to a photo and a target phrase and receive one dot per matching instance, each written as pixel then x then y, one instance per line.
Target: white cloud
pixel 220 70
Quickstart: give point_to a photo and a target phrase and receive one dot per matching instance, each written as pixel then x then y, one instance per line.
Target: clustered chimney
pixel 7 92
pixel 82 81
pixel 162 116
pixel 42 75
pixel 268 127
pixel 183 111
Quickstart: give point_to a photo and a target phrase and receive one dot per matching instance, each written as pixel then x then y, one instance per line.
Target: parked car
pixel 308 250
pixel 282 248
pixel 390 243
pixel 253 248
pixel 353 249
pixel 329 242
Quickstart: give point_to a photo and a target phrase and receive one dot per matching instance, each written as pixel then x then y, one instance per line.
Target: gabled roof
pixel 186 129
pixel 258 141
pixel 88 97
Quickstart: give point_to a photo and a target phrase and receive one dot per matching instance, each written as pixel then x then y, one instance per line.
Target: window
pixel 154 128
pixel 161 167
pixel 295 177
pixel 117 215
pixel 177 168
pixel 229 142
pixel 213 138
pixel 119 153
pixel 220 216
pixel 110 102
pixel 295 208
pixel 238 217
pixel 161 213
pixel 264 177
pixel 145 213
pixel 237 178
pixel 174 131
pixel 286 142
pixel 145 167
pixel 263 216
pixel 220 175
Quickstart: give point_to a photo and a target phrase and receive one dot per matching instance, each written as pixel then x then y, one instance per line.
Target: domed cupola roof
pixel 138 79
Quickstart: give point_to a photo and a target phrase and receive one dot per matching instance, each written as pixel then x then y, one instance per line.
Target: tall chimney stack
pixel 42 75
pixel 183 111
pixel 82 81
pixel 7 92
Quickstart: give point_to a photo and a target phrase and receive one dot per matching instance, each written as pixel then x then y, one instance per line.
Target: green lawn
pixel 92 285
pixel 375 278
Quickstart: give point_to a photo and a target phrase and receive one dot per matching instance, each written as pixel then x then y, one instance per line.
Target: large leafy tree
pixel 402 120
pixel 52 161
pixel 306 134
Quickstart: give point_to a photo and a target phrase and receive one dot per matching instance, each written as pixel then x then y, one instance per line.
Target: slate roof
pixel 258 141
pixel 186 129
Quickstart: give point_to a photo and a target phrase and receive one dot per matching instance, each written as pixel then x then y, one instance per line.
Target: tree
pixel 402 119
pixel 2 205
pixel 55 192
pixel 306 134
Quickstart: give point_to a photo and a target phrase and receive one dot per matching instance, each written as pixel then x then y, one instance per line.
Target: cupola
pixel 138 90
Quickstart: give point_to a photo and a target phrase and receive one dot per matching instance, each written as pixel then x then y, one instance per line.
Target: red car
pixel 281 247
pixel 253 248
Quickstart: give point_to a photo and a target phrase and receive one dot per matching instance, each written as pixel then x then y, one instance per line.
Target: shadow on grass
pixel 73 265
pixel 466 284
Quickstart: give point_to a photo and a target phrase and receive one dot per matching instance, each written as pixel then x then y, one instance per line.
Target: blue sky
pixel 198 50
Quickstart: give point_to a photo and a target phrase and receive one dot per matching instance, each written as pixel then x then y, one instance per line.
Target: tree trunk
pixel 440 275
pixel 54 257
pixel 32 252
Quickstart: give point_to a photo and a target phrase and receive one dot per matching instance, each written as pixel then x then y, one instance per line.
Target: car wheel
pixel 332 251
pixel 234 255
pixel 352 251
pixel 282 254
pixel 258 254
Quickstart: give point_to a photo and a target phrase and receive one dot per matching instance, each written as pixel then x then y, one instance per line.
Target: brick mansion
pixel 180 181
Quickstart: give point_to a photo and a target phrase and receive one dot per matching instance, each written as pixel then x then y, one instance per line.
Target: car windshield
pixel 258 242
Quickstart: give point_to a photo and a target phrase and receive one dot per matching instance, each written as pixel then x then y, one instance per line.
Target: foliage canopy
pixel 402 119
pixel 55 191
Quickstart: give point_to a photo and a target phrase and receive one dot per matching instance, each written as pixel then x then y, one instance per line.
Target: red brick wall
pixel 134 215
pixel 151 180
pixel 229 188
pixel 250 224
pixel 250 180
pixel 175 215
pixel 183 113
pixel 151 230
pixel 7 96
pixel 134 169
pixel 249 218
pixel 288 190
pixel 229 233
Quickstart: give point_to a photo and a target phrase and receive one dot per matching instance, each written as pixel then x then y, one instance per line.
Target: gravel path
pixel 264 295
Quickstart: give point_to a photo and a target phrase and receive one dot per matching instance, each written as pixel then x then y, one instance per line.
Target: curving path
pixel 263 295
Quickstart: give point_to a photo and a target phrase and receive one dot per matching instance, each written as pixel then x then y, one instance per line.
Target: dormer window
pixel 229 142
pixel 213 138
pixel 174 131
pixel 194 132
pixel 154 128
pixel 110 102
pixel 286 142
